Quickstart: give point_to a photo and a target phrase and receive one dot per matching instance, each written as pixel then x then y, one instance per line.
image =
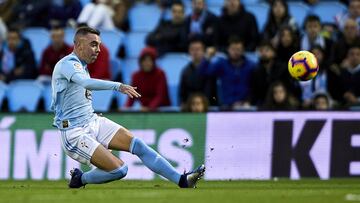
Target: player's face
pixel 236 51
pixel 197 105
pixel 196 51
pixel 90 47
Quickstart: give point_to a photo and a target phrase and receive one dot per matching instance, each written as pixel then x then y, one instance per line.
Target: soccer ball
pixel 303 65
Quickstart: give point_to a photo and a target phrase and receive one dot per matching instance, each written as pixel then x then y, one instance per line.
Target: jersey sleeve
pixel 70 67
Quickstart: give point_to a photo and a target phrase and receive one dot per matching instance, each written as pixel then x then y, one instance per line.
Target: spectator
pixel 17 58
pixel 64 12
pixel 98 14
pixel 151 82
pixel 120 18
pixel 322 102
pixel 235 21
pixel 30 13
pixel 279 98
pixel 201 22
pixel 326 80
pixel 100 69
pixel 352 75
pixel 353 13
pixel 278 17
pixel 53 53
pixel 191 78
pixel 288 44
pixel 197 103
pixel 234 74
pixel 268 71
pixel 350 36
pixel 313 35
pixel 170 36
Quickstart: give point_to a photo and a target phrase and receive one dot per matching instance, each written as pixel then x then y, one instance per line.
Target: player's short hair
pixel 82 31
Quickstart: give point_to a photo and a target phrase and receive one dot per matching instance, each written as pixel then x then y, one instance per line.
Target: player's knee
pixel 121 172
pixel 138 146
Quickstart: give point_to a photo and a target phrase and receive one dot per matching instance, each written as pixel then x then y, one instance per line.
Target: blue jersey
pixel 71 100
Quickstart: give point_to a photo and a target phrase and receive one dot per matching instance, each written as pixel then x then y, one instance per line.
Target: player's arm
pixel 96 84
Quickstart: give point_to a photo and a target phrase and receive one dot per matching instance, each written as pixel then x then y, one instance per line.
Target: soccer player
pixel 86 137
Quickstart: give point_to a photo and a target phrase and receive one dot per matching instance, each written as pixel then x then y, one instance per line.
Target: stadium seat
pixel 24 95
pixel 101 100
pixel 215 2
pixel 116 66
pixel 135 42
pixel 130 66
pixel 252 56
pixel 46 95
pixel 3 88
pixel 112 40
pixel 69 36
pixel 39 39
pixel 260 12
pixel 84 2
pixel 173 64
pixel 215 10
pixel 144 17
pixel 328 10
pixel 299 11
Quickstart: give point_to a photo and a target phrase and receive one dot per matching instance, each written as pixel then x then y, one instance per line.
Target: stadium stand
pixel 260 12
pixel 112 39
pixel 46 95
pixel 299 11
pixel 3 88
pixel 24 95
pixel 149 14
pixel 135 42
pixel 327 10
pixel 39 39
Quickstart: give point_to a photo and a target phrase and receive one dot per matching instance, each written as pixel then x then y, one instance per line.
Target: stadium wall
pixel 243 145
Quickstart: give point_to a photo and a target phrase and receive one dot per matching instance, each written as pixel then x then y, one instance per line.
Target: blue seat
pixel 84 2
pixel 144 17
pixel 252 56
pixel 215 10
pixel 215 2
pixel 39 39
pixel 112 40
pixel 3 88
pixel 101 100
pixel 116 65
pixel 24 95
pixel 299 11
pixel 47 96
pixel 327 11
pixel 260 11
pixel 120 99
pixel 173 64
pixel 69 36
pixel 135 42
pixel 130 66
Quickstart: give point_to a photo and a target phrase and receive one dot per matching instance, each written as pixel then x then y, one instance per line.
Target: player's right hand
pixel 129 90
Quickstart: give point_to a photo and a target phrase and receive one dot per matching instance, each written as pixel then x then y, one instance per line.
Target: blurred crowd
pixel 219 76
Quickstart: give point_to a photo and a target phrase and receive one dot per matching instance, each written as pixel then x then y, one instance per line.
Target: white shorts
pixel 80 143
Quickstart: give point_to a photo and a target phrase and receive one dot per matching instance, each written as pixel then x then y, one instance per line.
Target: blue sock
pixel 153 160
pixel 97 176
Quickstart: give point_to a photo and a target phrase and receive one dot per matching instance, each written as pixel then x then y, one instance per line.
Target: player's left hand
pixel 129 90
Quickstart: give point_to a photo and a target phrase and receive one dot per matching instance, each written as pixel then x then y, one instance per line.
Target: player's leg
pixel 124 141
pixel 83 148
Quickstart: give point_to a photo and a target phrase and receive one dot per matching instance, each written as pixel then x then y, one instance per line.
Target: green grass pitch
pixel 124 191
